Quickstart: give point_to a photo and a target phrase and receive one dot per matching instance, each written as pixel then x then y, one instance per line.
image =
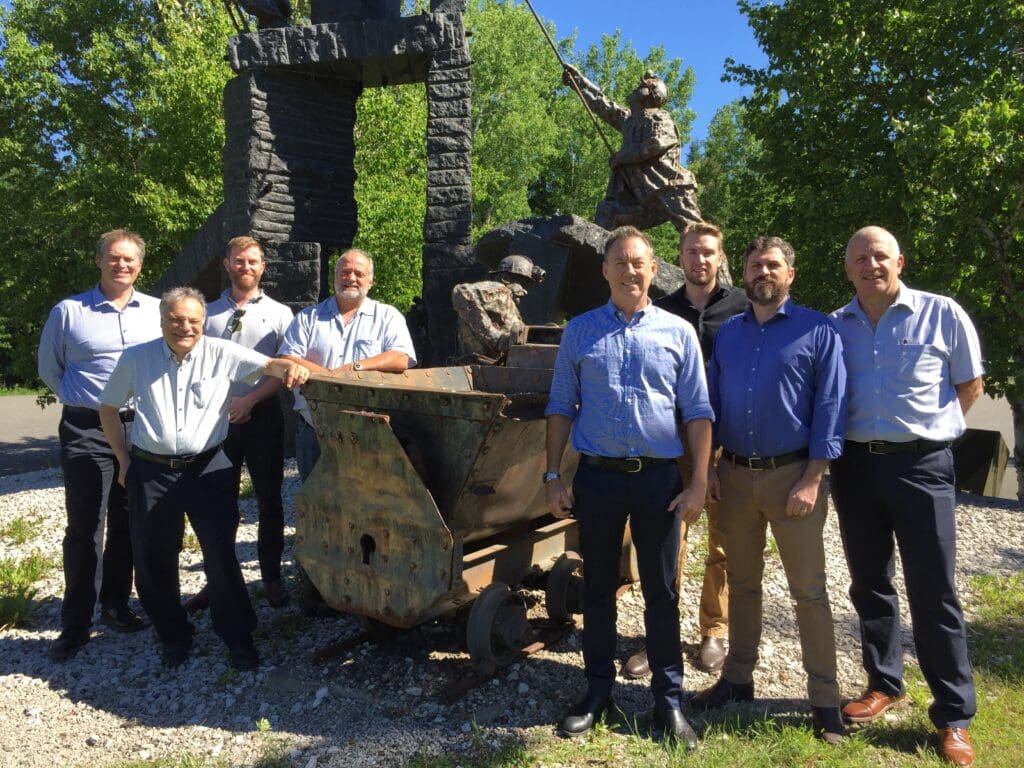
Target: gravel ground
pixel 377 704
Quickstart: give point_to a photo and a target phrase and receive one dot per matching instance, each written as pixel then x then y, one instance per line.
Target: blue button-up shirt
pixel 779 387
pixel 622 382
pixel 903 374
pixel 83 339
pixel 319 335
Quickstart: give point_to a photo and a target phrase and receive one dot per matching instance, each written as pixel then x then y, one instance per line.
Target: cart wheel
pixel 564 593
pixel 497 629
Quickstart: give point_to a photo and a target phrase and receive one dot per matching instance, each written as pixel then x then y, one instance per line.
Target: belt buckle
pixel 871 447
pixel 758 464
pixel 177 463
pixel 629 463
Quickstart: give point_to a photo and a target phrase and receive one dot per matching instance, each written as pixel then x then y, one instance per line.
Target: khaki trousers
pixel 752 500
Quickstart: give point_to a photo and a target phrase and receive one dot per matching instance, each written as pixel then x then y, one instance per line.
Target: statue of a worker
pixel 649 184
pixel 489 319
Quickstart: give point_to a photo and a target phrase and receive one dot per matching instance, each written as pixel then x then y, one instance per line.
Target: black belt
pixel 632 464
pixel 174 462
pixel 759 463
pixel 885 448
pixel 126 416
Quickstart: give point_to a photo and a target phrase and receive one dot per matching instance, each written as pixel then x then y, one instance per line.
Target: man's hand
pixel 122 471
pixel 295 375
pixel 559 499
pixel 239 410
pixel 346 368
pixel 569 74
pixel 690 503
pixel 714 484
pixel 802 498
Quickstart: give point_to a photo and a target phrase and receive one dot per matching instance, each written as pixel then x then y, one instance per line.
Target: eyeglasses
pixel 235 323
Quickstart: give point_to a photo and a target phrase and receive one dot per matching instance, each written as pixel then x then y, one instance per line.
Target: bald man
pixel 914 368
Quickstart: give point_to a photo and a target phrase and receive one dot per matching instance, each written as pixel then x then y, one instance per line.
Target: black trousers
pixel 159 498
pixel 906 499
pixel 259 442
pixel 604 499
pixel 93 499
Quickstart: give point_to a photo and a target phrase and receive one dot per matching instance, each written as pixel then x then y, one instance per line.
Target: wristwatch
pixel 549 476
pixel 357 366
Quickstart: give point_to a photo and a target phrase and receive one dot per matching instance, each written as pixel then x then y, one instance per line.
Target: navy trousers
pixel 604 499
pixel 907 499
pixel 259 442
pixel 93 498
pixel 159 498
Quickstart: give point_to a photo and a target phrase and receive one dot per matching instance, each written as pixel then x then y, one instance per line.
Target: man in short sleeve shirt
pixel 914 366
pixel 81 343
pixel 346 332
pixel 181 387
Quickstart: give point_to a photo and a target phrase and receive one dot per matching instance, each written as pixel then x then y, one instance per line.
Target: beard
pixel 351 293
pixel 766 292
pixel 706 279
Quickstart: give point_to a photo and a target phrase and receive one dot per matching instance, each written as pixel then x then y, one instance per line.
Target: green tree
pixel 907 114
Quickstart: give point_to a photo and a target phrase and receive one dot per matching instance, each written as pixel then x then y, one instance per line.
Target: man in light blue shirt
pixel 778 388
pixel 346 332
pixel 248 316
pixel 81 343
pixel 914 366
pixel 181 387
pixel 622 373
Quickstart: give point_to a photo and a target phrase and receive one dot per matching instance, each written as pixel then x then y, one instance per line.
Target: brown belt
pixel 759 463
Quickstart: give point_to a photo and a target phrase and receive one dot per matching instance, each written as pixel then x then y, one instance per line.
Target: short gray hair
pixel 624 233
pixel 358 252
pixel 108 239
pixel 174 295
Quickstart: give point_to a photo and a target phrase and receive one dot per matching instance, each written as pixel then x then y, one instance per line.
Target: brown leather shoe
pixel 637 665
pixel 712 654
pixel 200 601
pixel 955 746
pixel 869 705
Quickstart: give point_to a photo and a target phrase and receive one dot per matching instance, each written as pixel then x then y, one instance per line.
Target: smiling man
pixel 248 316
pixel 81 343
pixel 346 332
pixel 914 364
pixel 622 373
pixel 177 466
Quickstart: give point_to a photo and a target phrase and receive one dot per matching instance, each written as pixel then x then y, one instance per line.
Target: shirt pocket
pixel 365 348
pixel 209 393
pixel 920 364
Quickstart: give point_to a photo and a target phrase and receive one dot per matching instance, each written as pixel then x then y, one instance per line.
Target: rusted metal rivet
pixel 347 581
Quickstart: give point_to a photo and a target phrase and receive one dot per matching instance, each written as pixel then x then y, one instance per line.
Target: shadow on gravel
pixel 28 454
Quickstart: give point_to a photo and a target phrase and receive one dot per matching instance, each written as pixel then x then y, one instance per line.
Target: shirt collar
pixel 226 294
pixel 169 353
pixel 784 311
pixel 905 297
pixel 99 298
pixel 619 315
pixel 329 307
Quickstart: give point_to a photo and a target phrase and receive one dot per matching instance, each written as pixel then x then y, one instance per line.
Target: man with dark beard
pixel 778 388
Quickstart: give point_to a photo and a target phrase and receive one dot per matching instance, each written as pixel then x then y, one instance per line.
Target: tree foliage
pixel 909 115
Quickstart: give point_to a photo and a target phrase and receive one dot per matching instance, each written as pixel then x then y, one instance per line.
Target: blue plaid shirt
pixel 622 383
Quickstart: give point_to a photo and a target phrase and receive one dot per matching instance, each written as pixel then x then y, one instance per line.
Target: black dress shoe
pixel 637 666
pixel 199 601
pixel 721 693
pixel 68 643
pixel 828 724
pixel 672 726
pixel 122 620
pixel 277 596
pixel 175 653
pixel 712 654
pixel 244 658
pixel 584 715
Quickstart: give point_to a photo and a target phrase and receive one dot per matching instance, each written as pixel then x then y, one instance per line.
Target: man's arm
pixel 969 392
pixel 690 503
pixel 111 424
pixel 559 500
pixel 804 495
pixel 613 114
pixel 292 373
pixel 240 408
pixel 50 358
pixel 391 361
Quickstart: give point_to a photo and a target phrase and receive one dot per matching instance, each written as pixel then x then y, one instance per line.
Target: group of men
pixel 878 389
pixel 163 400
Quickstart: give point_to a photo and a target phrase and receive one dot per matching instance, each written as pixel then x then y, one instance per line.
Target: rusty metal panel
pixel 454 378
pixel 511 381
pixel 367 531
pixel 532 356
pixel 544 334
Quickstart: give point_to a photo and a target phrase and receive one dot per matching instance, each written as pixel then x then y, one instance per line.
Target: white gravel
pixel 375 705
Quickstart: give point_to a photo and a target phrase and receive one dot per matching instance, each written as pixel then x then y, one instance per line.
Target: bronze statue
pixel 649 184
pixel 489 321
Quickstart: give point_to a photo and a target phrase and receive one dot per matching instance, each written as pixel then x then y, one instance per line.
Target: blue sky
pixel 700 32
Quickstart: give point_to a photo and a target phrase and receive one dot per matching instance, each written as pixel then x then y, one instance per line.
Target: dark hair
pixel 623 233
pixel 761 244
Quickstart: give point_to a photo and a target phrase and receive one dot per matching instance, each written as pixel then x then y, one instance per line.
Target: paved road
pixel 28 434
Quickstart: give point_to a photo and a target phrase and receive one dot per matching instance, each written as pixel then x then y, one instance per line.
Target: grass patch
pixel 22 529
pixel 8 391
pixel 17 593
pixel 190 542
pixel 245 489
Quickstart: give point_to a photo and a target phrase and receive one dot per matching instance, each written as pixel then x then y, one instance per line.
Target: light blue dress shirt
pixel 318 334
pixel 779 387
pixel 622 382
pixel 261 328
pixel 83 339
pixel 180 410
pixel 903 374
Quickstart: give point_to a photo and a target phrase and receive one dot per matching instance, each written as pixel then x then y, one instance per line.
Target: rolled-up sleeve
pixel 692 387
pixel 965 356
pixel 396 336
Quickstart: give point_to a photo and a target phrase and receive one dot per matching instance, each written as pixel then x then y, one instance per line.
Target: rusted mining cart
pixel 427 496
